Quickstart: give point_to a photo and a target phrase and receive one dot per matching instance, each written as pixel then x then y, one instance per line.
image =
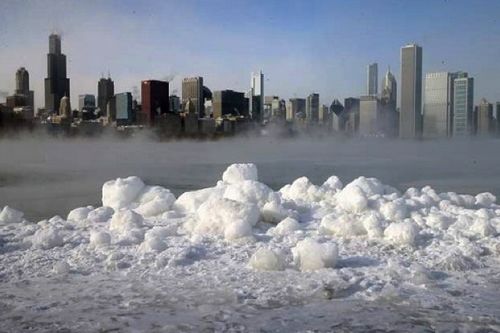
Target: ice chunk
pixel 121 192
pixel 79 214
pixel 250 191
pixel 46 238
pixel 352 198
pixel 438 220
pixel 224 217
pixel 345 225
pixel 373 225
pixel 310 255
pixel 394 210
pixel 154 240
pixel 154 200
pixel 123 221
pixel 402 233
pixel 10 215
pixel 301 191
pixel 101 214
pixel 286 227
pixel 370 186
pixel 237 173
pixel 189 202
pixel 266 260
pixel 482 228
pixel 333 183
pixel 485 199
pixel 99 238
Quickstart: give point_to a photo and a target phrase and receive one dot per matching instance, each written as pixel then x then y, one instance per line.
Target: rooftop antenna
pixel 109 76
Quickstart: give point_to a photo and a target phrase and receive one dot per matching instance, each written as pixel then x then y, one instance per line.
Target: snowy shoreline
pixel 240 247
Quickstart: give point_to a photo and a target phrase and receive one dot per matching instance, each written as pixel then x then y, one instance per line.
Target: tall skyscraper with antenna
pixel 56 83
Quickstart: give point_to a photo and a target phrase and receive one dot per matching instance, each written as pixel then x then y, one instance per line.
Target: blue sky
pixel 302 46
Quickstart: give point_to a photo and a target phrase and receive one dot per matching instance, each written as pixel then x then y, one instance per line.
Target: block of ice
pixel 352 198
pixel 46 238
pixel 236 173
pixel 124 221
pixel 345 225
pixel 224 217
pixel 79 214
pixel 189 202
pixel 101 214
pixel 285 227
pixel 121 192
pixel 485 199
pixel 401 233
pixel 310 255
pixel 10 215
pixel 154 200
pixel 250 191
pixel 99 238
pixel 266 260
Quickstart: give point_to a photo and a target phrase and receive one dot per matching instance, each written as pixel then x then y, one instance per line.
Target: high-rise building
pixel 105 91
pixel 296 109
pixel 312 108
pixel 463 105
pixel 56 83
pixel 192 89
pixel 175 104
pixel 86 106
pixel 23 96
pixel 369 116
pixel 229 102
pixel 124 111
pixel 410 117
pixel 438 105
pixel 372 79
pixel 256 98
pixel 485 119
pixel 389 94
pixel 497 116
pixel 155 101
pixel 338 115
pixel 351 110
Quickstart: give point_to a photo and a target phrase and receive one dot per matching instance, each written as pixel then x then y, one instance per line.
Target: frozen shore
pixel 240 256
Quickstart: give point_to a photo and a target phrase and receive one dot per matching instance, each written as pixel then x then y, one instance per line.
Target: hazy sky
pixel 302 46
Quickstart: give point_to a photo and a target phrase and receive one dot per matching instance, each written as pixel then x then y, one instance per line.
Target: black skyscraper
pixel 105 91
pixel 56 83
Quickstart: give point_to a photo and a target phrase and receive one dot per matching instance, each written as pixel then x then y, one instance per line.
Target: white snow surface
pixel 215 258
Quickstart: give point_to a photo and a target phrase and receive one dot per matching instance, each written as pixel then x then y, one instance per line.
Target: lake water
pixel 45 177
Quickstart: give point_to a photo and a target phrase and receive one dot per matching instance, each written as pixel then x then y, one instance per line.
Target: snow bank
pixel 121 192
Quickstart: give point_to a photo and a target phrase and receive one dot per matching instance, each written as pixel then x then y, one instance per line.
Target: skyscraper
pixel 485 120
pixel 296 109
pixel 229 102
pixel 56 83
pixel 389 90
pixel 463 105
pixel 256 98
pixel 23 96
pixel 312 108
pixel 105 91
pixel 154 99
pixel 372 79
pixel 410 116
pixel 438 105
pixel 192 89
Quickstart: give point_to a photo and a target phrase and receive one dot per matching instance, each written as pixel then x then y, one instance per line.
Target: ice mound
pixel 310 255
pixel 99 238
pixel 121 192
pixel 10 215
pixel 127 226
pixel 79 214
pixel 189 202
pixel 402 233
pixel 352 198
pixel 266 260
pixel 224 217
pixel 346 225
pixel 236 173
pixel 47 238
pixel 285 227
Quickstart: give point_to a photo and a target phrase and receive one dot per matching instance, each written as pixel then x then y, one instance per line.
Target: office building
pixel 410 116
pixel 155 102
pixel 370 119
pixel 192 89
pixel 296 109
pixel 56 83
pixel 351 110
pixel 23 87
pixel 124 110
pixel 175 104
pixel 256 97
pixel 485 120
pixel 372 79
pixel 105 91
pixel 438 105
pixel 229 103
pixel 463 105
pixel 312 108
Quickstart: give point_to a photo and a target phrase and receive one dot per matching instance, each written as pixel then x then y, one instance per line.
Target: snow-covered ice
pixel 239 254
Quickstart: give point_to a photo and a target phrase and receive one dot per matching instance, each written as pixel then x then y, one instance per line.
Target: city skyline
pixel 132 51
